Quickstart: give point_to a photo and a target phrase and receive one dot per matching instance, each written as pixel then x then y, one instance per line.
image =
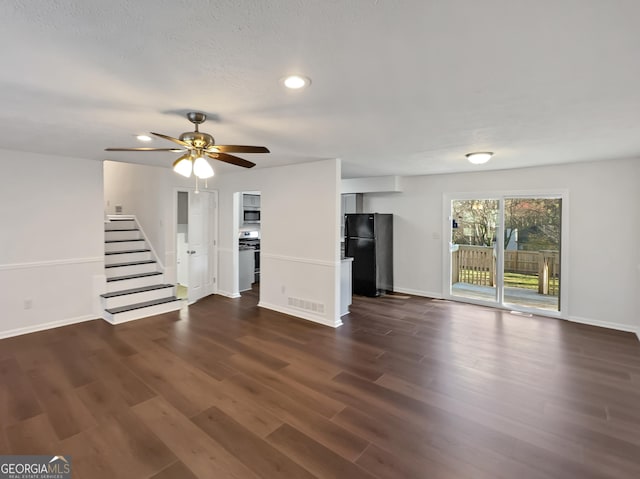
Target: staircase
pixel 135 286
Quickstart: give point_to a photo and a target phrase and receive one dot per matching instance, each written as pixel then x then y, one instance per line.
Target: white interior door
pixel 201 244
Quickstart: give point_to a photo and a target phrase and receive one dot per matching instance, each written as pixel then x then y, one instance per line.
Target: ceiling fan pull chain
pixel 197 191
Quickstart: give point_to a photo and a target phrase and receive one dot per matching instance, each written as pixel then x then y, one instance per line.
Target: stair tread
pixel 131 307
pixel 130 263
pixel 133 276
pixel 124 241
pixel 128 229
pixel 121 219
pixel 143 289
pixel 128 251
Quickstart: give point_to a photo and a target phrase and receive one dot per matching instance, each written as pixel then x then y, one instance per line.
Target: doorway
pixel 249 240
pixel 182 245
pixel 506 250
pixel 196 243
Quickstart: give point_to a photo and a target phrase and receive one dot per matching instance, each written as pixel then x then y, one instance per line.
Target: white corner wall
pixel 604 228
pixel 51 241
pixel 144 191
pixel 300 208
pixel 300 227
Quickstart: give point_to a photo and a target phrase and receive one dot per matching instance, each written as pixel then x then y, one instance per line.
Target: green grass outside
pixel 518 280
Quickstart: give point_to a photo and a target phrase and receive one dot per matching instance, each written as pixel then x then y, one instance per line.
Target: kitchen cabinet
pixel 350 203
pixel 345 285
pixel 247 268
pixel 251 201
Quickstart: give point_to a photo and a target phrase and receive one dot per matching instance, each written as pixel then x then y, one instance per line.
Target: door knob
pixel 191 252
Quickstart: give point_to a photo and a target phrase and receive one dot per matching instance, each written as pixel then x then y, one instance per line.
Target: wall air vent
pixel 306 305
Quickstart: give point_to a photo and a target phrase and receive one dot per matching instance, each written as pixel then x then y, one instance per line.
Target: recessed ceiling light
pixel 480 157
pixel 295 82
pixel 144 138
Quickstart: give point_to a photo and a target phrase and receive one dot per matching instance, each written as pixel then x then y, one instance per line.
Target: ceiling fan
pixel 196 145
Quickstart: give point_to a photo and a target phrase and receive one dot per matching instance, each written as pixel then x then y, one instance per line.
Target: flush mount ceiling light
pixel 296 82
pixel 144 138
pixel 480 157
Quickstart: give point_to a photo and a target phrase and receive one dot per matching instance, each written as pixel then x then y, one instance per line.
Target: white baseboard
pixel 416 292
pixel 41 327
pixel 228 294
pixel 604 324
pixel 301 314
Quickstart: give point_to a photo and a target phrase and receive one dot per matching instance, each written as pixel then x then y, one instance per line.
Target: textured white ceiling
pixel 399 87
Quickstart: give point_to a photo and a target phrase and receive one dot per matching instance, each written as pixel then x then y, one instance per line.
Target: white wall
pixel 604 228
pixel 300 206
pixel 300 254
pixel 143 191
pixel 51 241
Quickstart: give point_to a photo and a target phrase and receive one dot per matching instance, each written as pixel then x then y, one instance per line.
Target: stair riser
pixel 134 269
pixel 142 312
pixel 127 299
pixel 120 225
pixel 124 246
pixel 126 257
pixel 122 235
pixel 114 286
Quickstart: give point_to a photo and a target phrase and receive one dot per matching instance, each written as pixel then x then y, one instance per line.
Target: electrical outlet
pixel 28 304
pixel 283 290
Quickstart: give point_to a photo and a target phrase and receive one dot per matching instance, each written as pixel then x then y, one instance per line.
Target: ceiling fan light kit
pixel 480 157
pixel 202 169
pixel 196 147
pixel 183 165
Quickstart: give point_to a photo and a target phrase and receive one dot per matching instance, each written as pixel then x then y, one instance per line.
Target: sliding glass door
pixel 506 250
pixel 474 224
pixel 532 228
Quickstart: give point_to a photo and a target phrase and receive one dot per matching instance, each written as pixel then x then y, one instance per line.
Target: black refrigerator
pixel 369 241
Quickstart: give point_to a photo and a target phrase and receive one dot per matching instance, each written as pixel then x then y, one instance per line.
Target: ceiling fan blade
pixel 234 160
pixel 176 150
pixel 237 149
pixel 175 140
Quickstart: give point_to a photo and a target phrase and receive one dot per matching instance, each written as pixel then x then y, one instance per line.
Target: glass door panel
pixel 532 228
pixel 473 249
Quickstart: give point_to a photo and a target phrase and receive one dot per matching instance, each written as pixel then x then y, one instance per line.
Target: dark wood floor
pixel 407 388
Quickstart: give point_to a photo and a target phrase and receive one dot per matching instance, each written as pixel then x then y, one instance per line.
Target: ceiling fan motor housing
pixel 197 139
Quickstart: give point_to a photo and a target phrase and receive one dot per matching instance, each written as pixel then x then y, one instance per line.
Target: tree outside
pixel 476 222
pixel 531 224
pixel 535 221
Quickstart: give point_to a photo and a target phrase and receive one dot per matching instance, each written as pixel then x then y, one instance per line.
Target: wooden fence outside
pixel 477 265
